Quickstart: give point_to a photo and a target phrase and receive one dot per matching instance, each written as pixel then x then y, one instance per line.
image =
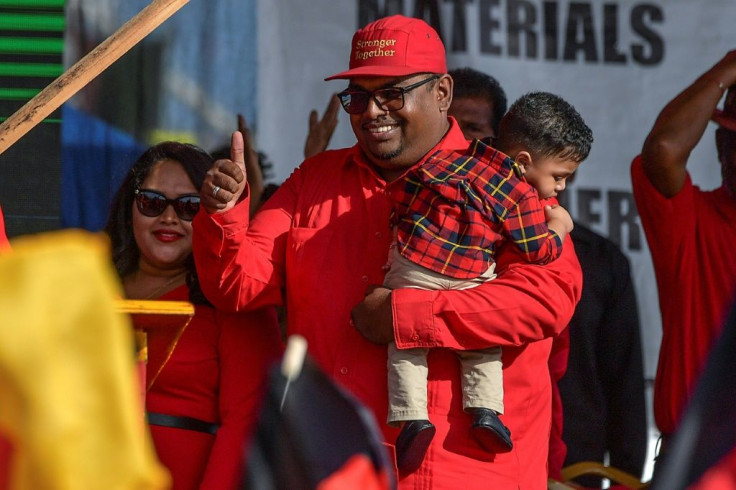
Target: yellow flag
pixel 69 401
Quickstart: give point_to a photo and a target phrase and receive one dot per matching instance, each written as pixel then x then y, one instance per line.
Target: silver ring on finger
pixel 215 190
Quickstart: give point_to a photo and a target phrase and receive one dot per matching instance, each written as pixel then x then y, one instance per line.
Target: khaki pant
pixel 482 377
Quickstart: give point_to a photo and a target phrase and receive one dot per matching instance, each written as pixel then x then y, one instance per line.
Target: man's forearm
pixel 524 304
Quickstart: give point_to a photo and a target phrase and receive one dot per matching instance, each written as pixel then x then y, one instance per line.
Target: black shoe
pixel 490 432
pixel 412 444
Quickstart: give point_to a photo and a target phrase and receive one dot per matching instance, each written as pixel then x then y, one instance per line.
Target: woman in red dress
pixel 203 404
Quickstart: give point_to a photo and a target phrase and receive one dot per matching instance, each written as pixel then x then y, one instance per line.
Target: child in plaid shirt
pixel 451 214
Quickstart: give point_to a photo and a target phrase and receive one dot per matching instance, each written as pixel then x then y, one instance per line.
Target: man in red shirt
pixel 321 241
pixel 690 233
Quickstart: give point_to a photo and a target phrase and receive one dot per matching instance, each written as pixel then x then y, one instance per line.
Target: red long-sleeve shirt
pixel 452 212
pixel 323 238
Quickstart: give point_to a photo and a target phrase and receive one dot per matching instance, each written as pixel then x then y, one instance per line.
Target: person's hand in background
pixel 320 130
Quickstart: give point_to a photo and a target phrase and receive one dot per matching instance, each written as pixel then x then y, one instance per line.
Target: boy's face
pixel 549 174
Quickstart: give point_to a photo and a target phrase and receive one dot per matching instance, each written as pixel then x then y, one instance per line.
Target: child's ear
pixel 524 159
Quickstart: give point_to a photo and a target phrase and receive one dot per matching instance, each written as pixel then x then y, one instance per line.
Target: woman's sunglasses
pixel 153 203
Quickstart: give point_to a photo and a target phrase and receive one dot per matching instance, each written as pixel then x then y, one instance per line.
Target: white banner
pixel 617 62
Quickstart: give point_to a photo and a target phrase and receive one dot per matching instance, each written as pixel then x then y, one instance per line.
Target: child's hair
pixel 546 126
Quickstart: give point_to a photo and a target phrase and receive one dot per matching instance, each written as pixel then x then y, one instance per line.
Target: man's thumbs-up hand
pixel 225 181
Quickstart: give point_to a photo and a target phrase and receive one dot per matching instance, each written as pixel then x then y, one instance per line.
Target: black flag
pixel 313 435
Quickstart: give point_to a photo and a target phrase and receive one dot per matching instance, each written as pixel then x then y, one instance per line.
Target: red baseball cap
pixel 727 117
pixel 395 46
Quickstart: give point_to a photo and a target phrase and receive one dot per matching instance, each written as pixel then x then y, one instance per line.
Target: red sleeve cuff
pixel 228 223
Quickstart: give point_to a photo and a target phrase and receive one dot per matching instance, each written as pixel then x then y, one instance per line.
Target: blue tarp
pixel 95 158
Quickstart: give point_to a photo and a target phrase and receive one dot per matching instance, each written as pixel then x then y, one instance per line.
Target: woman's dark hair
pixel 125 252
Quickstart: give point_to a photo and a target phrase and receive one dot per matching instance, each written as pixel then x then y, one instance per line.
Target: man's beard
pixel 390 155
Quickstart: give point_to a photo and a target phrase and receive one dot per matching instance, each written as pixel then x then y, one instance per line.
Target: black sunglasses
pixel 153 203
pixel 355 101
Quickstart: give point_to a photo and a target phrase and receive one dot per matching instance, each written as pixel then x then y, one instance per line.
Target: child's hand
pixel 559 220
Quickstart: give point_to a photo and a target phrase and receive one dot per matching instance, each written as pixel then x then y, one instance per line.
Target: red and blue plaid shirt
pixel 452 211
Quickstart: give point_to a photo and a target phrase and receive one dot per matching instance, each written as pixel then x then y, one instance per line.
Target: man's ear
pixel 524 159
pixel 443 88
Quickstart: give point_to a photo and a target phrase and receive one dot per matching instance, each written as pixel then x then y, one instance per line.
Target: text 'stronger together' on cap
pixel 395 46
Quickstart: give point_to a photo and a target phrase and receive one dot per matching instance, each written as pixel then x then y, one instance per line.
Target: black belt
pixel 177 422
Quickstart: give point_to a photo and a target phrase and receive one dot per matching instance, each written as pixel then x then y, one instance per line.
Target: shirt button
pixel 379 234
pixel 343 370
pixel 414 336
pixel 364 278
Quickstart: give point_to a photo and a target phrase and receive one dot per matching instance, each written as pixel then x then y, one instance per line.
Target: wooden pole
pixel 85 70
